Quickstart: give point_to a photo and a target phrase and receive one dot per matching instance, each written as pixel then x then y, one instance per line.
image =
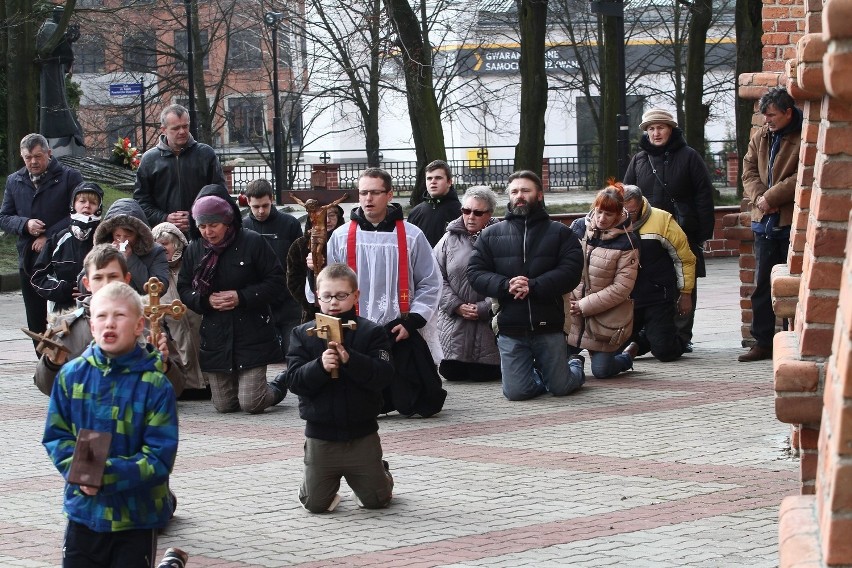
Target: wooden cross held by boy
pixel 155 311
pixel 47 345
pixel 330 328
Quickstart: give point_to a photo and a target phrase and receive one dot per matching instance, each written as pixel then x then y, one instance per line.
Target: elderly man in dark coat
pixel 35 207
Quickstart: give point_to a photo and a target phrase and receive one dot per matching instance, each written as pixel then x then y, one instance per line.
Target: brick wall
pixel 812 363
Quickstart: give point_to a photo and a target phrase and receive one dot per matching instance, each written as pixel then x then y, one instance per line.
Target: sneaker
pixel 280 387
pixel 688 347
pixel 579 358
pixel 174 558
pixel 756 353
pixel 173 499
pixel 334 503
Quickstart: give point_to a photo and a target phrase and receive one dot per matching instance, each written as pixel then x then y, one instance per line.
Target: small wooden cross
pixel 330 328
pixel 48 344
pixel 155 311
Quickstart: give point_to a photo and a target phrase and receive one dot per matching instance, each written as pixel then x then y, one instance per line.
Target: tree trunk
pixel 749 23
pixel 532 22
pixel 371 113
pixel 609 98
pixel 203 114
pixel 695 114
pixel 423 107
pixel 4 92
pixel 22 77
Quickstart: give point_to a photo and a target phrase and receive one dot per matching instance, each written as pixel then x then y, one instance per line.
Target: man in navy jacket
pixel 35 207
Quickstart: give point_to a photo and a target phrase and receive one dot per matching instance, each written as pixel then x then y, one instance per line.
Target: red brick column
pixel 325 176
pixel 751 86
pixel 545 174
pixel 228 171
pixel 815 531
pixel 733 169
pixel 737 227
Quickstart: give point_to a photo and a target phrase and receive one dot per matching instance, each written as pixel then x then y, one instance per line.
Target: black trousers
pixel 35 305
pixel 767 253
pixel 684 323
pixel 654 330
pixel 85 548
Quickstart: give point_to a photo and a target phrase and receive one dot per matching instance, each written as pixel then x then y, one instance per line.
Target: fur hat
pixel 657 116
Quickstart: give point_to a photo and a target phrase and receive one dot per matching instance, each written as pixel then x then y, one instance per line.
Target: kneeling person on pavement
pixel 526 263
pixel 341 430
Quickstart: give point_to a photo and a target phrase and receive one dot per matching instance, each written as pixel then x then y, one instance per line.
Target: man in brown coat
pixel 769 181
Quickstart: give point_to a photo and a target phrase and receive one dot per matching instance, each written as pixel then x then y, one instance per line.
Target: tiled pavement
pixel 678 464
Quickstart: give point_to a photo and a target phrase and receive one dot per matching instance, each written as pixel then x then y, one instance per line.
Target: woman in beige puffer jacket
pixel 612 262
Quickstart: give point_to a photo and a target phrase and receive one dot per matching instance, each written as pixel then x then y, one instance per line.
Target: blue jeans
pixel 606 364
pixel 535 364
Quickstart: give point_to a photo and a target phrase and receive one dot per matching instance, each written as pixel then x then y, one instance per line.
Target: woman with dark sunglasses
pixel 464 316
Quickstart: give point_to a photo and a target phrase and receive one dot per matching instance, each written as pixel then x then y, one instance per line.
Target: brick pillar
pixel 325 176
pixel 545 174
pixel 814 531
pixel 751 86
pixel 229 178
pixel 834 477
pixel 737 227
pixel 733 169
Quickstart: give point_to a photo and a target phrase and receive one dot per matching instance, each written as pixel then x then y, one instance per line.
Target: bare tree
pixel 348 46
pixel 749 25
pixel 657 54
pixel 532 18
pixel 416 53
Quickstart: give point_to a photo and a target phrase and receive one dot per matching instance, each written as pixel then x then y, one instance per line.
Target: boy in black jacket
pixel 342 431
pixel 280 230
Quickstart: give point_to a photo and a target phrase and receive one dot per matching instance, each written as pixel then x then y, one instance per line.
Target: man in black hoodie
pixel 440 203
pixel 280 230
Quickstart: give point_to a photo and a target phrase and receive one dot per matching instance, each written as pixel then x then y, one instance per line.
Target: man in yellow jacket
pixel 665 281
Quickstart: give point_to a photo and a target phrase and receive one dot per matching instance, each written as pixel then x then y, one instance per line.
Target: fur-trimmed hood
pixel 126 212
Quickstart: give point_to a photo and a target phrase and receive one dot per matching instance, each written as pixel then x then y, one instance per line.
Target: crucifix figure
pixel 330 328
pixel 319 233
pixel 155 311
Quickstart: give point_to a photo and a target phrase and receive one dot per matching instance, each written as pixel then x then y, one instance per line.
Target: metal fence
pixel 565 172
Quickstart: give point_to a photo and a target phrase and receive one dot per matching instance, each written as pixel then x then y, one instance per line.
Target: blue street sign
pixel 125 89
